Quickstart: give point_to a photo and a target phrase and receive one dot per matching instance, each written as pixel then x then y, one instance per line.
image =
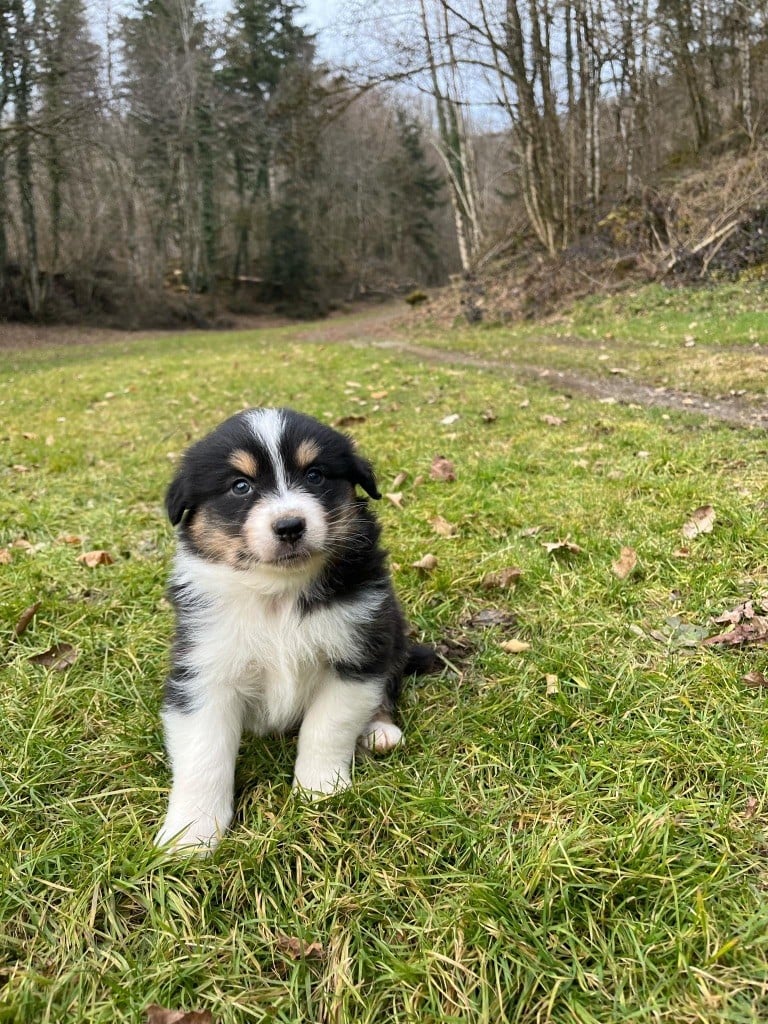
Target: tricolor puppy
pixel 286 616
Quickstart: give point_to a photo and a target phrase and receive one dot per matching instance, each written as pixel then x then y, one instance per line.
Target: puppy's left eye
pixel 241 487
pixel 314 475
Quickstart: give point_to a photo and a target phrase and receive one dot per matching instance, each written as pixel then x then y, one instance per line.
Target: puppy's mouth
pixel 292 557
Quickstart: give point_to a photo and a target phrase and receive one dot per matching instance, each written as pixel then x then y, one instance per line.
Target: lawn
pixel 573 832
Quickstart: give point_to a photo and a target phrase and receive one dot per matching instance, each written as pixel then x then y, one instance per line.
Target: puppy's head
pixel 270 488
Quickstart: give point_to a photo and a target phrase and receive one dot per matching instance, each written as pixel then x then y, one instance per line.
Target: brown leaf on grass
pixel 702 521
pixel 69 538
pixel 59 657
pixel 447 421
pixel 531 531
pixel 754 631
pixel 561 547
pixel 25 618
pixel 428 563
pixel 296 949
pixel 396 498
pixel 755 680
pixel 502 579
pixel 751 807
pixel 159 1015
pixel 400 479
pixel 553 684
pixel 742 612
pixel 515 646
pixel 442 469
pixel 489 416
pixel 552 421
pixel 625 563
pixel 443 527
pixel 5 556
pixel 94 558
pixel 490 617
pixel 347 421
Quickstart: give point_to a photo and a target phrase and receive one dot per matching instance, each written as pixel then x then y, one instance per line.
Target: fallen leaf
pixel 754 631
pixel 427 562
pixel 442 469
pixel 5 556
pixel 625 563
pixel 443 527
pixel 553 547
pixel 702 521
pixel 491 617
pixel 418 480
pixel 503 579
pixel 446 421
pixel 399 480
pixel 94 558
pixel 29 436
pixel 159 1015
pixel 376 395
pixel 677 634
pixel 25 618
pixel 296 949
pixel 20 469
pixel 552 421
pixel 531 531
pixel 755 679
pixel 489 416
pixel 59 657
pixel 515 646
pixel 740 613
pixel 396 498
pixel 553 686
pixel 69 538
pixel 347 421
pixel 751 806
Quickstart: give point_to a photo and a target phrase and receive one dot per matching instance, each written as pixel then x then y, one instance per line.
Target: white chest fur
pixel 244 640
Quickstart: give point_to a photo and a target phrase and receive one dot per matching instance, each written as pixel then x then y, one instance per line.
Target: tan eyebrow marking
pixel 306 453
pixel 244 462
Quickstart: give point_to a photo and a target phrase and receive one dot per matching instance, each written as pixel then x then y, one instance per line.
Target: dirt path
pixel 382 327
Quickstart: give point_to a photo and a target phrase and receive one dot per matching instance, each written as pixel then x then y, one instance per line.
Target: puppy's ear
pixel 176 500
pixel 362 474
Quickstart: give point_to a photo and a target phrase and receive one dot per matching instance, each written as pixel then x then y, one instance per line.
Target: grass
pixel 590 848
pixel 711 341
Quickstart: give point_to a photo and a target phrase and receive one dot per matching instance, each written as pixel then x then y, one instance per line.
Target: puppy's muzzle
pixel 289 529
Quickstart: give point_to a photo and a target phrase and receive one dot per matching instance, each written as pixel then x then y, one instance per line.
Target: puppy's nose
pixel 290 528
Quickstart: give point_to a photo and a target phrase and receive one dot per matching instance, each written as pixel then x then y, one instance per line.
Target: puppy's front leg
pixel 202 746
pixel 329 732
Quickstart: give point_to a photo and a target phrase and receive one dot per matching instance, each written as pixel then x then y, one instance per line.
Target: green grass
pixel 592 854
pixel 710 341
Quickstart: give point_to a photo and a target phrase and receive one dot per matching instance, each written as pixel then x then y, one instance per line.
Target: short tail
pixel 421 659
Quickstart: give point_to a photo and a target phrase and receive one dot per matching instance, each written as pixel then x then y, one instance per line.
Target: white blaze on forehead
pixel 268 426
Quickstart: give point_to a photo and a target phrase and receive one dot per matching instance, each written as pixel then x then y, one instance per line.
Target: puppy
pixel 286 615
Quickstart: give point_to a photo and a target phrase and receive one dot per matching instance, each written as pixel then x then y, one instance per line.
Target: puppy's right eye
pixel 241 487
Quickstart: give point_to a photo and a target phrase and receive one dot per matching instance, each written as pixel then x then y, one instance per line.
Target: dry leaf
pixel 442 469
pixel 625 563
pixel 25 618
pixel 376 395
pixel 553 686
pixel 751 807
pixel 159 1015
pixel 504 579
pixel 296 949
pixel 740 613
pixel 702 521
pixel 489 416
pixel 552 421
pixel 531 531
pixel 515 646
pixel 94 558
pixel 446 421
pixel 5 556
pixel 553 547
pixel 399 480
pixel 69 538
pixel 427 562
pixel 443 527
pixel 755 679
pixel 396 498
pixel 491 617
pixel 347 421
pixel 754 631
pixel 59 657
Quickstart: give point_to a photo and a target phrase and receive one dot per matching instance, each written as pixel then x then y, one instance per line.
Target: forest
pixel 165 158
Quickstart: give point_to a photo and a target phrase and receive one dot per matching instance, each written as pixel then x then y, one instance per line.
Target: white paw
pixel 381 736
pixel 318 781
pixel 200 836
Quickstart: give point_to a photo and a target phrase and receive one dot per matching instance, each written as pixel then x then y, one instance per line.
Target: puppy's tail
pixel 421 659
